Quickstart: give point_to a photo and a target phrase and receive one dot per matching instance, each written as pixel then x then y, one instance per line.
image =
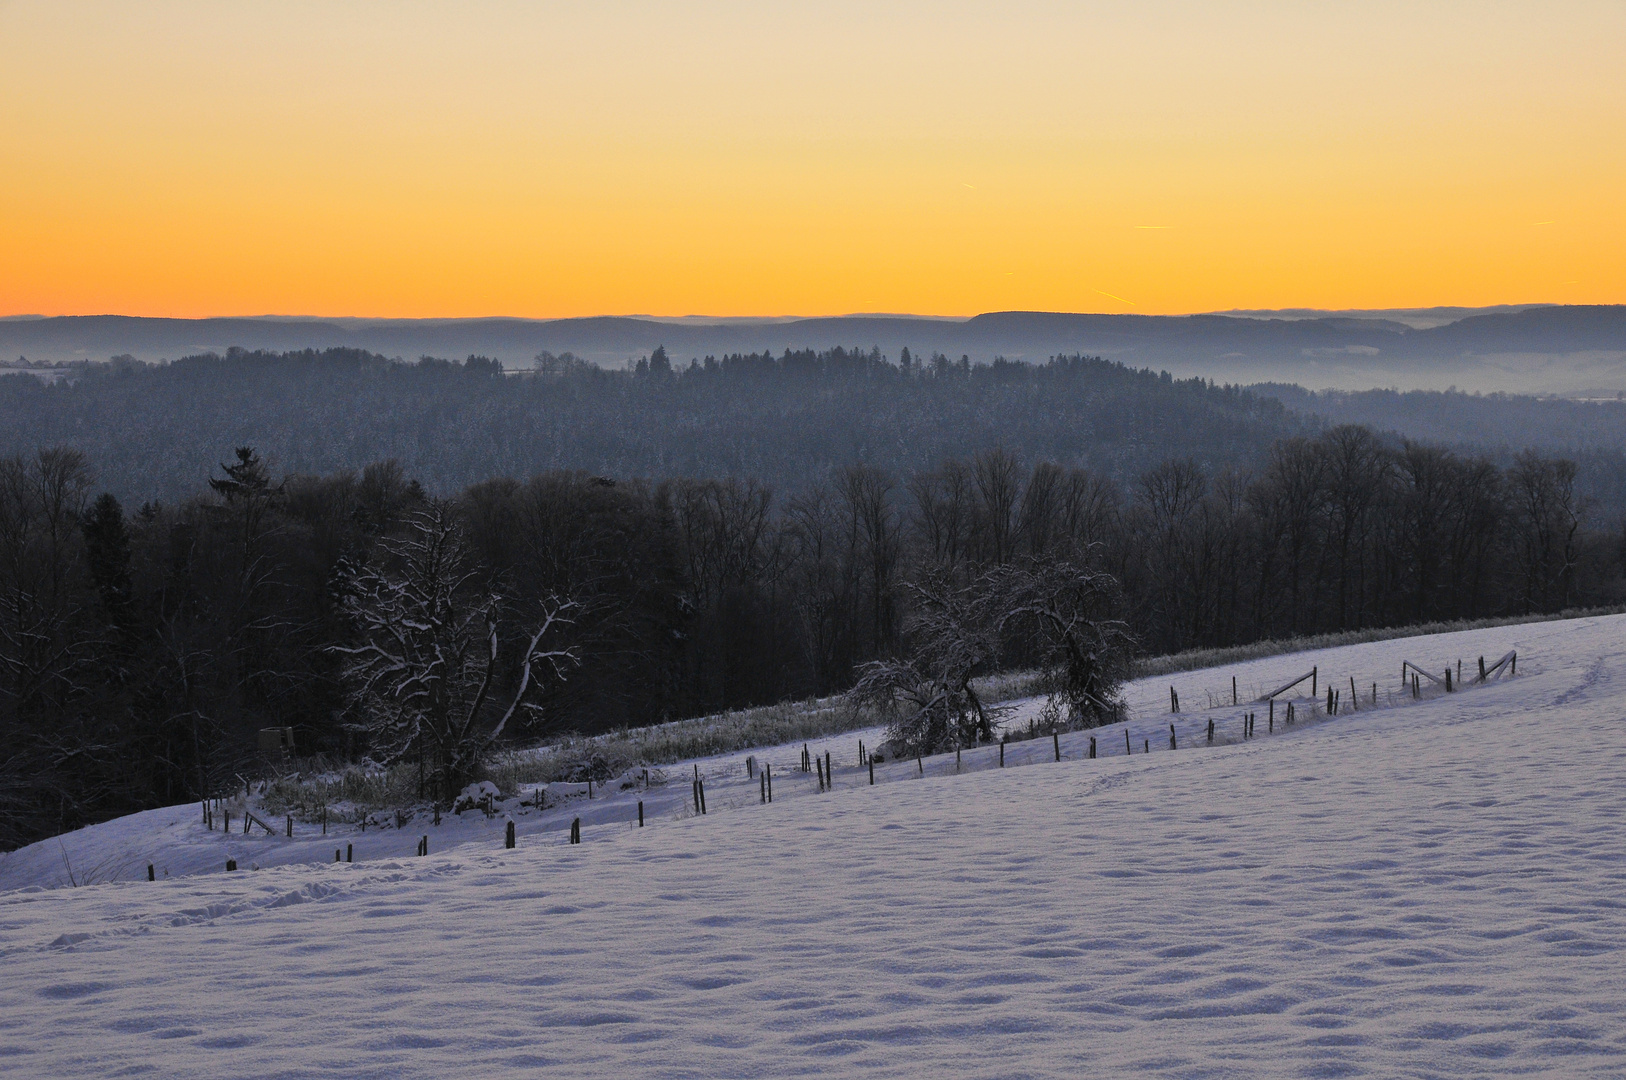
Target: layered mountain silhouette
pixel 1552 348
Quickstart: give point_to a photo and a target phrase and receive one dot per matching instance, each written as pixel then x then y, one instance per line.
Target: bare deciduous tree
pixel 1085 650
pixel 428 658
pixel 928 694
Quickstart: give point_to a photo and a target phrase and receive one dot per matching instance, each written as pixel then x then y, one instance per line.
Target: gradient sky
pixel 750 158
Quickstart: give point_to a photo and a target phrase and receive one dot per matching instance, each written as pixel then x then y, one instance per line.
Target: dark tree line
pixel 141 649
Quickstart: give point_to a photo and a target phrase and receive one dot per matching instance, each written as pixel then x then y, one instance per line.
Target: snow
pixel 1424 889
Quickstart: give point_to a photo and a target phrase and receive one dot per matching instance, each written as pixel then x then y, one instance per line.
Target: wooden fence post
pixel 150 875
pixel 1312 680
pixel 1092 746
pixel 1002 753
pixel 640 813
pixel 1210 731
pixel 1127 748
pixel 1233 689
pixel 1174 700
pixel 508 840
pixel 768 773
pixel 1171 738
pixel 872 772
pixel 1055 737
pixel 231 865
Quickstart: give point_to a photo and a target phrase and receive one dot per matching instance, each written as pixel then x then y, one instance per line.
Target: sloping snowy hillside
pixel 1424 888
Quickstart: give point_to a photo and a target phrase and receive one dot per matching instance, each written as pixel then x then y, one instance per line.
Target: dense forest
pixel 153 430
pixel 143 647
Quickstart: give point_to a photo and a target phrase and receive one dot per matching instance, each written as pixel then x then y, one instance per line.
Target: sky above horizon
pixel 400 159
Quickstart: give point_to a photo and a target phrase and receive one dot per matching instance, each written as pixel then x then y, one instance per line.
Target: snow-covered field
pixel 1425 888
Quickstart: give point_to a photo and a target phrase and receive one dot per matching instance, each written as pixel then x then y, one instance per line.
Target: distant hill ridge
pixel 1024 334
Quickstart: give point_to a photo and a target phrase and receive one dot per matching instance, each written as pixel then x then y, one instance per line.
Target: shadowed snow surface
pixel 1427 889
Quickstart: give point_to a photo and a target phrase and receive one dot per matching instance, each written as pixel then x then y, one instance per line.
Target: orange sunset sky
pixel 755 158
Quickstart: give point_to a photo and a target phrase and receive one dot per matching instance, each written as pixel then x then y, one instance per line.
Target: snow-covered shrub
pixel 481 794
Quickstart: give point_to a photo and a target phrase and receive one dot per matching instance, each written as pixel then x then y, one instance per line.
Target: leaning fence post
pixel 1127 748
